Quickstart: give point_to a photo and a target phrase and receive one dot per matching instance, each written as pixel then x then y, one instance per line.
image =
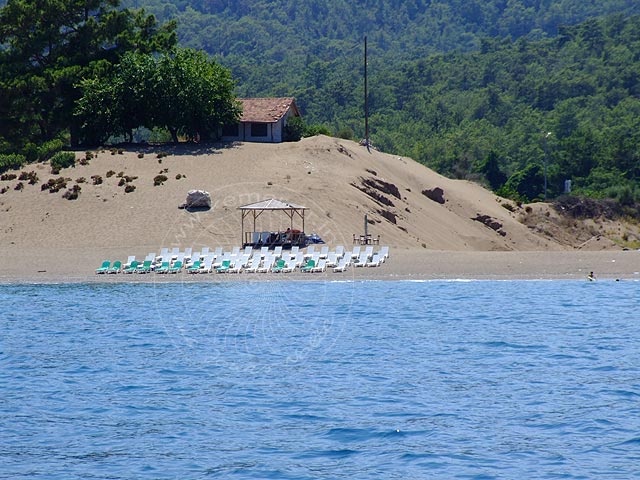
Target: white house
pixel 262 120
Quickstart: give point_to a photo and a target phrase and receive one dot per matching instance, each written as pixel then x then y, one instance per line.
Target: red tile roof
pixel 266 110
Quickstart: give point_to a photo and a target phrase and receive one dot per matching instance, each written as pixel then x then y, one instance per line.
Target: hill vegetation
pixel 470 88
pixel 502 92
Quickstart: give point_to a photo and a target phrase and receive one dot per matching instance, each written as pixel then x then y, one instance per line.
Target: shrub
pixel 129 188
pixel 178 176
pixel 85 160
pixel 72 193
pixel 19 186
pixel 313 130
pixel 55 184
pixel 122 182
pixel 62 160
pixel 31 176
pixel 162 154
pixel 97 179
pixel 110 174
pixel 8 176
pixel 11 161
pixel 81 180
pixel 294 129
pixel 50 149
pixel 159 180
pixel 140 155
pixel 346 133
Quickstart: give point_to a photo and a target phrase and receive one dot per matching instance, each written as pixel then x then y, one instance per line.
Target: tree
pixel 491 169
pixel 194 95
pixel 184 92
pixel 49 46
pixel 527 183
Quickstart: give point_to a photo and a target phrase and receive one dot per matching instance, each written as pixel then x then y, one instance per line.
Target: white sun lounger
pixel 290 266
pixel 255 264
pixel 376 261
pixel 320 267
pixel 332 259
pixel 362 260
pixel 311 250
pixel 343 265
pixel 266 265
pixel 207 264
pixel 369 251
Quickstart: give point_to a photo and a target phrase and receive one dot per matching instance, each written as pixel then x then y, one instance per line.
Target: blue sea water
pixel 320 380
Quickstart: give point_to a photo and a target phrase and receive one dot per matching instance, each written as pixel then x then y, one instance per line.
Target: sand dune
pixel 338 180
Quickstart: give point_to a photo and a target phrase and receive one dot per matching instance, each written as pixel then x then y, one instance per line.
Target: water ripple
pixel 392 380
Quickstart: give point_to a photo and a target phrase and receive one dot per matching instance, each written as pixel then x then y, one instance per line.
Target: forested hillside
pixel 498 91
pixel 472 88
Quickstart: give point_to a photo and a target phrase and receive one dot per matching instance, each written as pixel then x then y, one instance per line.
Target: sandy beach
pixel 68 265
pixel 436 228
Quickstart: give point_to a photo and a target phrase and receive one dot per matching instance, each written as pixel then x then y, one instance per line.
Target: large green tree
pixel 49 46
pixel 194 95
pixel 184 92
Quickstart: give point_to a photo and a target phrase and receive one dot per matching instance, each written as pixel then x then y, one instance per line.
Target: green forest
pixel 497 91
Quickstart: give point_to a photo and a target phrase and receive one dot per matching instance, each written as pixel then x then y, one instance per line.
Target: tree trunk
pixel 174 134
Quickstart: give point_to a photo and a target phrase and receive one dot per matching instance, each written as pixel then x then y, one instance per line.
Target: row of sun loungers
pixel 249 260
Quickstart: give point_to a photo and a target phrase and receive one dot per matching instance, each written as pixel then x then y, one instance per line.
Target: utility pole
pixel 366 97
pixel 546 160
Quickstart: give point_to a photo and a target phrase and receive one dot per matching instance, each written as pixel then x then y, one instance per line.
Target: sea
pixel 321 380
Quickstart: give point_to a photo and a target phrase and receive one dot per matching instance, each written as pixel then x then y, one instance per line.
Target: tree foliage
pixel 184 92
pixel 451 82
pixel 48 46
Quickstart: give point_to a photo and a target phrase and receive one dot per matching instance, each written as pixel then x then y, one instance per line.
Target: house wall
pixel 274 132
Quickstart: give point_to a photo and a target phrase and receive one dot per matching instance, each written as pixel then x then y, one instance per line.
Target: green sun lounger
pixel 132 267
pixel 163 268
pixel 145 267
pixel 280 264
pixel 224 267
pixel 194 268
pixel 115 268
pixel 104 268
pixel 309 266
pixel 176 267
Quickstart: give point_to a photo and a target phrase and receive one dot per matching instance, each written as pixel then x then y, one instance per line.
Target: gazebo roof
pixel 272 204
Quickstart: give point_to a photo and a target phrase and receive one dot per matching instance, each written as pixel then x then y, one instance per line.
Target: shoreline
pixel 77 265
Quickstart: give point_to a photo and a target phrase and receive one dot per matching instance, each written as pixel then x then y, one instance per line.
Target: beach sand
pixel 435 227
pixel 69 265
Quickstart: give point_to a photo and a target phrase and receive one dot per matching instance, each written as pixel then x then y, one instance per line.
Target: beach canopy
pixel 289 209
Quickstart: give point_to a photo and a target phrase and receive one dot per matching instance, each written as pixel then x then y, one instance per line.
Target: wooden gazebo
pixel 283 238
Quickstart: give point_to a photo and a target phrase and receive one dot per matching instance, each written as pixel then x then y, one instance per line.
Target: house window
pixel 231 130
pixel 258 129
